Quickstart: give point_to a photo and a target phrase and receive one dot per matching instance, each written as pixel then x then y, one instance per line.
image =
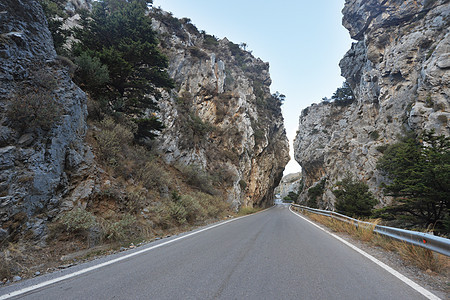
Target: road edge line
pixel 110 262
pixel 412 284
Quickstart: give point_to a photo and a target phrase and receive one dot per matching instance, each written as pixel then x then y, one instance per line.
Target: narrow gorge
pixel 73 177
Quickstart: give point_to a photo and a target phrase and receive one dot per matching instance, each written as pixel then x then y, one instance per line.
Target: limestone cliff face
pixel 42 122
pixel 399 71
pixel 221 115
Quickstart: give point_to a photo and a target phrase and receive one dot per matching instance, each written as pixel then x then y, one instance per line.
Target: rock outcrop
pixel 43 122
pixel 399 71
pixel 289 183
pixel 221 115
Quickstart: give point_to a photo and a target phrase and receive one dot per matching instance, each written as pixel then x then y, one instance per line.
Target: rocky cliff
pixel 399 71
pixel 220 118
pixel 221 115
pixel 42 122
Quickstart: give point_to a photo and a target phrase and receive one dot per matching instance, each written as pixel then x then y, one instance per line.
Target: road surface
pixel 270 255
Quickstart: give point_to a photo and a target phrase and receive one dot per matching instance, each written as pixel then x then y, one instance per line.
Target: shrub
pixel 34 109
pixel 197 177
pixel 112 140
pixel 315 192
pixel 197 53
pixel 120 230
pixel 198 126
pixel 152 175
pixel 78 220
pixel 194 211
pixel 353 198
pixel 374 135
pixel 210 41
pixel 443 119
pixel 242 184
pixel 178 212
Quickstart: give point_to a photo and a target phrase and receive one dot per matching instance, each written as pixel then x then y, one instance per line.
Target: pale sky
pixel 302 40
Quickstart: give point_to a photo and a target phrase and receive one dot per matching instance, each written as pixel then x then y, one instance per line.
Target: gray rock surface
pixel 34 177
pixel 398 70
pixel 227 89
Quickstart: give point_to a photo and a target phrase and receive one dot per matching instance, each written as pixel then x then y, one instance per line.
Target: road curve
pixel 270 255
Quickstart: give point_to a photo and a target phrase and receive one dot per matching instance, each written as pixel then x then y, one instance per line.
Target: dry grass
pixel 425 259
pixel 247 210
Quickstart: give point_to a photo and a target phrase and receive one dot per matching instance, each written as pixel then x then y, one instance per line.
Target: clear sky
pixel 303 41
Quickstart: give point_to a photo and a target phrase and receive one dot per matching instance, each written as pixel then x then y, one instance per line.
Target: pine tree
pixel 119 34
pixel 419 170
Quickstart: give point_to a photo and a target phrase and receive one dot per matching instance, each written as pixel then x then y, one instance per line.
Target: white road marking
pixel 415 286
pixel 71 275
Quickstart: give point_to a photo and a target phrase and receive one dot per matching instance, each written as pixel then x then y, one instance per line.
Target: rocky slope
pixel 399 71
pixel 221 116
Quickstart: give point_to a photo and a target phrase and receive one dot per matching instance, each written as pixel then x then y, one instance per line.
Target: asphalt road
pixel 270 255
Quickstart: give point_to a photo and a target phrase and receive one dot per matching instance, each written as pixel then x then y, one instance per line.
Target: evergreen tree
pixel 343 95
pixel 419 170
pixel 119 34
pixel 354 198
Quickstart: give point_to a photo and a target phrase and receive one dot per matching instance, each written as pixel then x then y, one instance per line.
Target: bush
pixel 112 140
pixel 194 211
pixel 374 135
pixel 120 230
pixel 353 198
pixel 242 184
pixel 34 109
pixel 78 220
pixel 197 177
pixel 152 175
pixel 315 192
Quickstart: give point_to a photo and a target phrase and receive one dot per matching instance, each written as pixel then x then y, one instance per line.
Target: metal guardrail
pixel 424 240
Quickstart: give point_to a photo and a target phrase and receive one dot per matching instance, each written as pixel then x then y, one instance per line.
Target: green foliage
pixel 199 127
pixel 112 141
pixel 443 119
pixel 152 175
pixel 120 230
pixel 291 197
pixel 315 192
pixel 353 198
pixel 119 34
pixel 55 14
pixel 374 135
pixel 198 53
pixel 429 102
pixel 210 41
pixel 343 95
pixel 197 177
pixel 242 184
pixel 419 170
pixel 382 148
pixel 78 220
pixel 91 74
pixel 239 54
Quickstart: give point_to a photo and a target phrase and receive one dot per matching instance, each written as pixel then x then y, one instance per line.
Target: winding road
pixel 274 254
